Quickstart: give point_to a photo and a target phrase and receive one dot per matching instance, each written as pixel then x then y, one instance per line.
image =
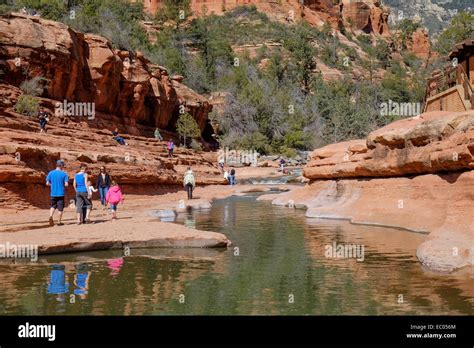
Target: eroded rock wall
pixel 414 174
pixel 85 68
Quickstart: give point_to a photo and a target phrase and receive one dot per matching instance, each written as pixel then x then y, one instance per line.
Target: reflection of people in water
pixel 229 214
pixel 189 221
pixel 115 265
pixel 81 281
pixel 58 284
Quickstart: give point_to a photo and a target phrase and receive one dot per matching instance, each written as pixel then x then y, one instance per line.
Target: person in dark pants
pixel 189 182
pixel 57 179
pixel 43 119
pixel 82 199
pixel 103 184
pixel 170 147
pixel 118 138
pixel 282 165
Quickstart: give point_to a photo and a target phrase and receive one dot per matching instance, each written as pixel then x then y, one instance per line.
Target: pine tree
pixel 187 127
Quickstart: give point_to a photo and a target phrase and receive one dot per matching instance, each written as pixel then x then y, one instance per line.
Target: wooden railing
pixel 463 80
pixel 447 78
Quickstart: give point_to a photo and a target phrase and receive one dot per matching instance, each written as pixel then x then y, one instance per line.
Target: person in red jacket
pixel 114 197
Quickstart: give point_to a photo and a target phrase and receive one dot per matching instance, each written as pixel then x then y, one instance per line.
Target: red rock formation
pixel 85 68
pixel 427 144
pixel 128 91
pixel 419 43
pixel 142 167
pixel 415 173
pixel 367 16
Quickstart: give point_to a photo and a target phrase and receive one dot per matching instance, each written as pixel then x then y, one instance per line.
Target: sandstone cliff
pixel 85 68
pixel 414 174
pixel 419 43
pixel 369 15
pixel 142 167
pixel 129 93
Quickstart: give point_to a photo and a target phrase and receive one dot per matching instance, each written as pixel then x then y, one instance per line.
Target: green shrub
pixel 288 152
pixel 33 86
pixel 460 29
pixel 195 145
pixel 27 105
pixel 383 52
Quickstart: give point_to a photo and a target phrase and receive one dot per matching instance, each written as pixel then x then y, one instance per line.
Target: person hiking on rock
pixel 103 184
pixel 189 182
pixel 118 138
pixel 221 165
pixel 80 185
pixel 170 146
pixel 57 179
pixel 158 135
pixel 43 119
pixel 282 164
pixel 114 197
pixel 232 180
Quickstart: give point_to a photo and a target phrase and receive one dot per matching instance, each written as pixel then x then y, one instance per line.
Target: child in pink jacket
pixel 114 197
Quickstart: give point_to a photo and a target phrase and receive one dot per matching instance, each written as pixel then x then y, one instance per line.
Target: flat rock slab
pixel 128 232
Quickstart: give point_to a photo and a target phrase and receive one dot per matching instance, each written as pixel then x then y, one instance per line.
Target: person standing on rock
pixel 232 179
pixel 114 197
pixel 90 192
pixel 103 184
pixel 57 179
pixel 158 135
pixel 189 182
pixel 282 165
pixel 43 119
pixel 221 165
pixel 82 200
pixel 170 148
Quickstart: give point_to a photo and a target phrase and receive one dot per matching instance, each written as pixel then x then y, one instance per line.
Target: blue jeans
pixel 119 140
pixel 232 180
pixel 103 192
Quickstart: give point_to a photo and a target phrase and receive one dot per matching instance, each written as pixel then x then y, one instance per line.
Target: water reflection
pixel 58 284
pixel 81 280
pixel 58 281
pixel 281 253
pixel 115 265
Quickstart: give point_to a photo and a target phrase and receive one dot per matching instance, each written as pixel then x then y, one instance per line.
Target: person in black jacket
pixel 103 184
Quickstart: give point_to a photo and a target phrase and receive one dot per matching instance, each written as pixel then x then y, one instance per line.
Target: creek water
pixel 280 263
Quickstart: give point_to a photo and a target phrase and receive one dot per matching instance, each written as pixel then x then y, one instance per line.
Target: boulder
pixel 426 144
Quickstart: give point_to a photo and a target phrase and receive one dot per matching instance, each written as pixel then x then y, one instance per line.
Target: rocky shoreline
pixel 415 174
pixel 138 227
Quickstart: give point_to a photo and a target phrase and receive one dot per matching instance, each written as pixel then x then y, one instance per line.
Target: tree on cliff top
pixel 187 127
pixel 174 10
pixel 461 28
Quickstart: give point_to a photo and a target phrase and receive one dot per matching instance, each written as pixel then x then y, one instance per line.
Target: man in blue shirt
pixel 57 179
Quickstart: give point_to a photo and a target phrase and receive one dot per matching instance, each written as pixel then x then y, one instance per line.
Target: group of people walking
pixel 109 191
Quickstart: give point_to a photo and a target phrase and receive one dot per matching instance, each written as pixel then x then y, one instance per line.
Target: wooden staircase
pixel 448 78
